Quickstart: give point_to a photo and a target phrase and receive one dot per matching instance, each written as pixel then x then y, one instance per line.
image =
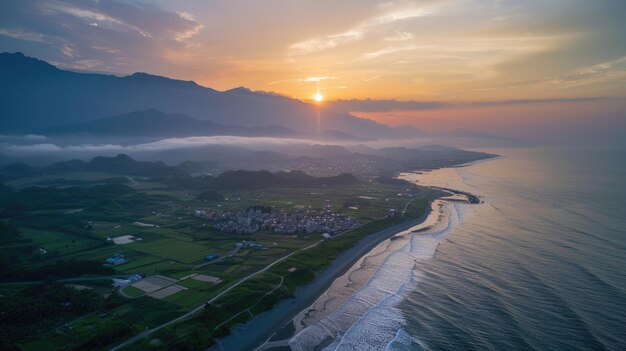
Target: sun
pixel 318 97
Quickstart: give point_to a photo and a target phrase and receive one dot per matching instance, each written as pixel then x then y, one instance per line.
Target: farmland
pixel 157 235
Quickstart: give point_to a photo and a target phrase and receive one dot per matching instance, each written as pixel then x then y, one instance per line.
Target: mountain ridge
pixel 38 95
pixel 152 123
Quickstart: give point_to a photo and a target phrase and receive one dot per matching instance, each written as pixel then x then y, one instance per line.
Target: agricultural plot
pixel 59 242
pixel 135 265
pixel 153 283
pixel 206 278
pixel 124 239
pixel 165 292
pixel 173 249
pixel 133 291
pixel 164 266
pixel 186 298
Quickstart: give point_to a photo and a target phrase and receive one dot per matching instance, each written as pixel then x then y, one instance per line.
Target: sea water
pixel 540 265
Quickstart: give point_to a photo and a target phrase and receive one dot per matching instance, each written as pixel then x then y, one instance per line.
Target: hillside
pixel 35 95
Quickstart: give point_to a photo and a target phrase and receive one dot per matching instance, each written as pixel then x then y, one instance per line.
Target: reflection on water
pixel 369 319
pixel 539 266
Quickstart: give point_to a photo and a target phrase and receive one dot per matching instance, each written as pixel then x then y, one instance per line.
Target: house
pixel 211 257
pixel 121 282
pixel 116 260
pixel 326 236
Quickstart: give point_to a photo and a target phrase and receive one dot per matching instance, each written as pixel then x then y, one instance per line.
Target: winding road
pixel 199 308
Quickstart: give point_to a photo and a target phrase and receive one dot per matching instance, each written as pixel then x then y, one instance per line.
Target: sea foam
pixel 370 319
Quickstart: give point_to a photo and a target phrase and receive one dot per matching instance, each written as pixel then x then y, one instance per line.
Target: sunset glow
pixel 435 58
pixel 306 175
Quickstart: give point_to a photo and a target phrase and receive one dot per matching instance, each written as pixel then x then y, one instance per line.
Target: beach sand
pixel 264 326
pixel 346 277
pixel 353 280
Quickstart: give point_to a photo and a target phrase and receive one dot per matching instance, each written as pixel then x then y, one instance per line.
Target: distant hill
pixel 120 164
pixel 35 95
pixel 153 123
pixel 241 179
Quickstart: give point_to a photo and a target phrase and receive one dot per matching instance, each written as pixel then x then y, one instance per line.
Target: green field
pixel 132 291
pixel 187 298
pixel 181 251
pixel 176 246
pixel 59 243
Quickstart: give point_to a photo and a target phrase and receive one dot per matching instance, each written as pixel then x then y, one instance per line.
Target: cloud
pixel 325 43
pixel 535 101
pixel 35 137
pixel 473 49
pixel 387 51
pixel 369 105
pixel 156 146
pixel 68 50
pixel 316 79
pixel 399 36
pixel 22 34
pixel 603 67
pixel 106 35
pixel 362 30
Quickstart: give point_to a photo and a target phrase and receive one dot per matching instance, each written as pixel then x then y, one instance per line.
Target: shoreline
pixel 261 328
pixel 354 279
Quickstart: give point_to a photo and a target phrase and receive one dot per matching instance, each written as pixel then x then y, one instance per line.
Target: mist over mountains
pixel 39 96
pixel 50 114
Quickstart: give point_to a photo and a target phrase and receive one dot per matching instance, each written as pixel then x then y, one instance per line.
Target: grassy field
pixel 187 298
pixel 176 245
pixel 181 251
pixel 132 291
pixel 59 243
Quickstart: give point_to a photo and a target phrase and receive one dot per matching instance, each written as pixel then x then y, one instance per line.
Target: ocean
pixel 539 265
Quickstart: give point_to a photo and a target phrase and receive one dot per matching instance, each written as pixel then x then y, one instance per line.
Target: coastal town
pixel 266 219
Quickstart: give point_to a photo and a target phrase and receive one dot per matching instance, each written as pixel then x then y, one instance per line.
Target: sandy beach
pixel 264 326
pixel 338 308
pixel 329 306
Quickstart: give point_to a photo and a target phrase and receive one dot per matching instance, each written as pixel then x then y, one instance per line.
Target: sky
pixel 477 64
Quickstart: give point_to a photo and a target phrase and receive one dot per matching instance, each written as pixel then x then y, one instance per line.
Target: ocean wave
pixel 405 342
pixel 370 319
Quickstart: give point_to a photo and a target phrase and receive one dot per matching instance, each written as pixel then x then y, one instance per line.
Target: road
pixel 199 308
pixel 71 280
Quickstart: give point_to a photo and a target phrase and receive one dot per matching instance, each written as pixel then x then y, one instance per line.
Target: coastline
pixel 264 326
pixel 353 279
pixel 379 278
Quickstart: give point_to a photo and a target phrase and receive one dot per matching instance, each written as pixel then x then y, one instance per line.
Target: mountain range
pixel 155 124
pixel 35 96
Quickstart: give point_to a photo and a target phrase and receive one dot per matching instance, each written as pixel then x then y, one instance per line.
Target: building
pixel 116 260
pixel 121 282
pixel 211 257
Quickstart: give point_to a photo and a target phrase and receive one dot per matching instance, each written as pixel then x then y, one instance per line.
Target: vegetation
pixel 56 232
pixel 210 195
pixel 265 290
pixel 36 309
pixel 248 180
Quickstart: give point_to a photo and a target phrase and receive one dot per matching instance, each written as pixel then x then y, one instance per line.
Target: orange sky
pixel 450 50
pixel 457 52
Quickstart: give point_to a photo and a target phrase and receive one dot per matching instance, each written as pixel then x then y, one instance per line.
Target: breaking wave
pixel 370 318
